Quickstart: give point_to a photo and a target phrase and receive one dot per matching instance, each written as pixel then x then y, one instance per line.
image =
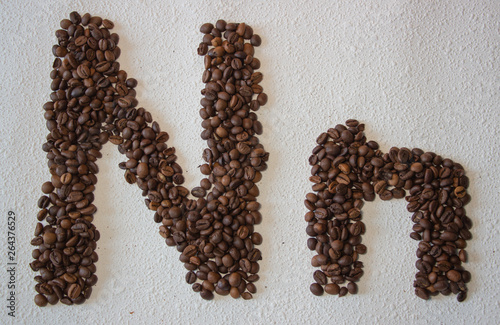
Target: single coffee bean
pixel 234 279
pixel 320 278
pixel 206 28
pixel 142 170
pixel 422 293
pixel 352 288
pixel 49 238
pixel 190 277
pixel 332 289
pixel 466 276
pixel 47 188
pixel 206 294
pixel 453 275
pixel 41 300
pixel 74 291
pixel 316 289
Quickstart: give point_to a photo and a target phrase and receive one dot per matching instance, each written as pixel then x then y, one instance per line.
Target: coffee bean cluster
pixel 348 170
pixel 89 93
pixel 93 102
pixel 221 251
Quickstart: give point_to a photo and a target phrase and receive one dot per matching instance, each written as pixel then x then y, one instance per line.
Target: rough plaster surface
pixel 418 73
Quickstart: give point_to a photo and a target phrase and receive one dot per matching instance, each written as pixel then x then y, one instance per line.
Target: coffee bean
pixel 462 295
pixel 453 275
pixel 316 289
pixel 234 292
pixel 255 40
pixel 347 136
pixel 49 238
pixel 206 294
pixel 206 28
pixel 108 24
pixel 332 289
pixel 47 188
pixel 221 25
pixel 262 99
pixel 352 288
pixel 142 170
pixel 234 279
pixel 74 291
pixel 75 17
pixel 379 187
pixel 320 278
pixel 449 236
pixel 52 299
pixel 41 300
pixel 345 260
pixel 422 293
pixel 462 255
pixel 190 277
pixel 361 249
pixel 466 276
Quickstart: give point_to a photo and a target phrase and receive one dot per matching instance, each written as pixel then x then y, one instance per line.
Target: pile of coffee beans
pixel 93 102
pixel 221 232
pixel 348 170
pixel 90 94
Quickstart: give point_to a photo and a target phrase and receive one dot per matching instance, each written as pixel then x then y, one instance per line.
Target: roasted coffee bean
pixel 462 295
pixel 316 289
pixel 453 275
pixel 332 289
pixel 422 293
pixel 93 102
pixel 206 294
pixel 347 169
pixel 41 300
pixel 74 291
pixel 320 278
pixel 352 288
pixel 190 277
pixel 441 285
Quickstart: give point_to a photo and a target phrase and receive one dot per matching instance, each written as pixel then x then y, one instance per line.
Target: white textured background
pixel 418 73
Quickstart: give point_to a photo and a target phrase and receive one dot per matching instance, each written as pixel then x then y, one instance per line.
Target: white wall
pixel 418 73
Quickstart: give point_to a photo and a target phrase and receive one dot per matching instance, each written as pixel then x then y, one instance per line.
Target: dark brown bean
pixel 40 300
pixel 332 289
pixel 316 289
